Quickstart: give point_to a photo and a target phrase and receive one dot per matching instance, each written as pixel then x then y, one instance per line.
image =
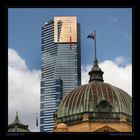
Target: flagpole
pixel 95 57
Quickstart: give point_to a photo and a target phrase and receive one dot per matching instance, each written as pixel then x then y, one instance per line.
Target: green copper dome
pixel 86 98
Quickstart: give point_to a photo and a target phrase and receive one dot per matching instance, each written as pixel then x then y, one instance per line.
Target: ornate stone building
pixel 95 107
pixel 17 126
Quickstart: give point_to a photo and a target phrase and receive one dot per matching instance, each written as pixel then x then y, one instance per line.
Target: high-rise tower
pixel 61 65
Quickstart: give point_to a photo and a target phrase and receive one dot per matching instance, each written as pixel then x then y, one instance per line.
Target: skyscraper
pixel 61 66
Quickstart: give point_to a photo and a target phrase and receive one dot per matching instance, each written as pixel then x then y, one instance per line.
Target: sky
pixel 113 43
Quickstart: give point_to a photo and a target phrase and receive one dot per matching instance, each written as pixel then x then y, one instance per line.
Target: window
pixel 57 103
pixel 104 106
pixel 42 98
pixel 42 48
pixel 57 96
pixel 58 89
pixel 42 75
pixel 42 83
pixel 41 113
pixel 42 90
pixel 42 106
pixel 42 68
pixel 58 81
pixel 104 110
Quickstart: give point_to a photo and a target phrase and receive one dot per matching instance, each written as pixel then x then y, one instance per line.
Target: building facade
pixel 61 66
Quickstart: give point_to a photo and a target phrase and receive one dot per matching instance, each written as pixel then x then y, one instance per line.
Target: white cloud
pixel 15 61
pixel 120 60
pixel 23 90
pixel 119 76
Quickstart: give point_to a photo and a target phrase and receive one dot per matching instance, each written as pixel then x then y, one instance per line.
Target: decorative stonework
pixel 106 129
pixel 62 127
pixel 85 117
pixel 87 126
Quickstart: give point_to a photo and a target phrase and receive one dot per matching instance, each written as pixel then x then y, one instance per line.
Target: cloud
pixel 121 60
pixel 15 61
pixel 112 19
pixel 23 90
pixel 119 76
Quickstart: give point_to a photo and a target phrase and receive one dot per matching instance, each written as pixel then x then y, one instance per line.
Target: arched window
pixel 104 106
pixel 104 109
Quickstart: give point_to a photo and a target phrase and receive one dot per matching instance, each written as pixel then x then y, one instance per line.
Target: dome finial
pixel 16 118
pixel 95 73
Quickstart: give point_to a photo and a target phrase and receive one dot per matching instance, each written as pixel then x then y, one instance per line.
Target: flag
pixel 92 36
pixel 70 43
pixel 36 121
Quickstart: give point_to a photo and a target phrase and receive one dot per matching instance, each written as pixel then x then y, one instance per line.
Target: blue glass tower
pixel 60 70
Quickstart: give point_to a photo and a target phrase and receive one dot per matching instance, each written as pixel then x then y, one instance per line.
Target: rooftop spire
pixel 95 73
pixel 17 126
pixel 16 118
pixel 16 115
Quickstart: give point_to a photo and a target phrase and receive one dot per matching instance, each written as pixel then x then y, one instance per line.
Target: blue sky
pixel 113 30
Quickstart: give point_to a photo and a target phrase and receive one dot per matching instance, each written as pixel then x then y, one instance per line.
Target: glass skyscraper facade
pixel 61 66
